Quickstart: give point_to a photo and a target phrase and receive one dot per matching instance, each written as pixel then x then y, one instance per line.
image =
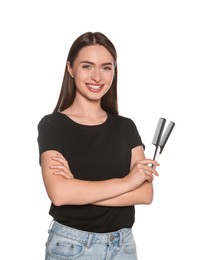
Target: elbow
pixel 148 199
pixel 144 195
pixel 58 194
pixel 148 194
pixel 57 202
pixel 57 198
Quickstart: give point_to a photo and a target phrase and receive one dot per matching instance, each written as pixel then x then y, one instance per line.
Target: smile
pixel 94 88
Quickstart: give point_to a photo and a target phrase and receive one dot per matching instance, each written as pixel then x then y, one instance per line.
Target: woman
pixel 92 160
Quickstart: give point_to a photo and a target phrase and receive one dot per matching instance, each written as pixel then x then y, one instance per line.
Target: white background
pixel 170 58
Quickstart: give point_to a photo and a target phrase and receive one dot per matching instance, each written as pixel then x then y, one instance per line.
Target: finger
pixel 60 155
pixel 149 169
pixel 153 166
pixel 61 173
pixel 149 161
pixel 155 172
pixel 60 167
pixel 149 177
pixel 154 163
pixel 61 160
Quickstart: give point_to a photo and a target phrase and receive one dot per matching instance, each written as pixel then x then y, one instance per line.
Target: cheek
pixel 80 75
pixel 78 79
pixel 110 78
pixel 76 73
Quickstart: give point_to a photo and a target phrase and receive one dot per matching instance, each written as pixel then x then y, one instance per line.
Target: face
pixel 93 72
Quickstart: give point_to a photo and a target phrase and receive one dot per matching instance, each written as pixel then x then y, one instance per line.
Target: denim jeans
pixel 67 243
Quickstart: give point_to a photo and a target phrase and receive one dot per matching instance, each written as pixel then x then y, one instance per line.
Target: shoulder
pixel 122 123
pixel 52 119
pixel 123 120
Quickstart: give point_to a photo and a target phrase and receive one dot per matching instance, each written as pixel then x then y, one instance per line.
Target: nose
pixel 96 75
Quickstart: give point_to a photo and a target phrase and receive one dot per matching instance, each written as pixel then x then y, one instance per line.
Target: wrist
pixel 128 183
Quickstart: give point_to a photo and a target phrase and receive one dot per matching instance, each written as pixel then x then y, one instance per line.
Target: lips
pixel 94 87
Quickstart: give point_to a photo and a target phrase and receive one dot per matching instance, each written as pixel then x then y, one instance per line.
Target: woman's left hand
pixel 62 168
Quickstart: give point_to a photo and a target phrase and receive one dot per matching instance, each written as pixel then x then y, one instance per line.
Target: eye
pixel 107 67
pixel 86 67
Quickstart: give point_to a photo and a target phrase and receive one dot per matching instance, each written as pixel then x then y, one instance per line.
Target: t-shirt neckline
pixel 83 125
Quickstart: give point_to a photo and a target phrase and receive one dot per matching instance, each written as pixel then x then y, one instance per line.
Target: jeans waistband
pixel 88 238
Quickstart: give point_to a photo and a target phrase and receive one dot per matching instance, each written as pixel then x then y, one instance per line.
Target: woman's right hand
pixel 141 172
pixel 61 167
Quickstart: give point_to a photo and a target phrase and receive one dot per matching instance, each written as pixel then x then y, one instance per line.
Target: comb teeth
pixel 159 131
pixel 158 140
pixel 158 134
pixel 166 135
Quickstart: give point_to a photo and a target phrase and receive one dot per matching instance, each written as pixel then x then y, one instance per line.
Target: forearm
pixel 78 192
pixel 63 191
pixel 141 195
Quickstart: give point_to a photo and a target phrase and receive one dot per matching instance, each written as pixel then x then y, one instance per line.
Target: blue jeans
pixel 67 243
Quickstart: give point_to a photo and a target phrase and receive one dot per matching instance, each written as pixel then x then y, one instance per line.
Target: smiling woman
pixel 68 90
pixel 104 70
pixel 92 70
pixel 92 160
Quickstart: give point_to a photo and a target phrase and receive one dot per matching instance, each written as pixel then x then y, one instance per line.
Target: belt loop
pixel 122 235
pixel 89 240
pixel 120 239
pixel 50 226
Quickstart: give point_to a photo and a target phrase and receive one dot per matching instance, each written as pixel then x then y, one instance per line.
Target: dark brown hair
pixel 68 89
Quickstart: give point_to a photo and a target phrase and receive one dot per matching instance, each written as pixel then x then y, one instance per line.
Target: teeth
pixel 94 87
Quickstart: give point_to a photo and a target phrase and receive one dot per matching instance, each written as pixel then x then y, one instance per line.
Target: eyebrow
pixel 92 63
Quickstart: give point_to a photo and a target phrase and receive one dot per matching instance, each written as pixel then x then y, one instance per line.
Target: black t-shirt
pixel 94 153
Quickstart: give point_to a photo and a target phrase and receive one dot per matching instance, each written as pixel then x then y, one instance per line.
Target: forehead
pixel 94 53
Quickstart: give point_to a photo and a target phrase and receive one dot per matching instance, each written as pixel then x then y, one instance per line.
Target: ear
pixel 69 69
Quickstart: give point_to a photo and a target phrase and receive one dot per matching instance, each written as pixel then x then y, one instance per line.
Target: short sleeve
pixel 133 136
pixel 48 136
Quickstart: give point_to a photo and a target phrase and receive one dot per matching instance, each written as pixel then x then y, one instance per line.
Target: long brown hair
pixel 68 89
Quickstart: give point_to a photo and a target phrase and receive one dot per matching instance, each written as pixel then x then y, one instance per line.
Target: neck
pixel 89 109
pixel 85 109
